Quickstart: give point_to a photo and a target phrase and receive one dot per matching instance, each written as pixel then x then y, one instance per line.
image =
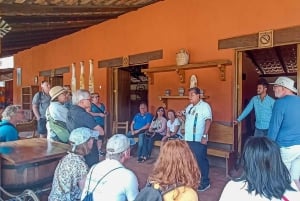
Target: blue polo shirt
pixel 141 120
pixel 8 132
pixel 263 111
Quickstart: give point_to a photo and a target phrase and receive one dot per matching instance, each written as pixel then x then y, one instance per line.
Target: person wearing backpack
pixel 40 103
pixel 69 175
pixel 175 175
pixel 109 179
pixel 10 117
pixel 57 114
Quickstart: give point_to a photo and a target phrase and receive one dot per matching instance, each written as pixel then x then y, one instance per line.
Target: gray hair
pixel 10 111
pixel 116 156
pixel 80 95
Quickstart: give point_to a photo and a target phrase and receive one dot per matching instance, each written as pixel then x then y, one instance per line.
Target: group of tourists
pixel 270 160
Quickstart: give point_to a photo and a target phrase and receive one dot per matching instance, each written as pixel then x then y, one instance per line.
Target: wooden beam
pixel 56 71
pixel 42 26
pixel 135 59
pixel 35 10
pixel 283 36
pixel 246 41
pixel 251 57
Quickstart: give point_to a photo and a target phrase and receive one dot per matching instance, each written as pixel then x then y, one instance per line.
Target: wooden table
pixel 29 163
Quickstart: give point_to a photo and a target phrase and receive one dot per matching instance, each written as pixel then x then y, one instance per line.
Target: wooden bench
pixel 221 142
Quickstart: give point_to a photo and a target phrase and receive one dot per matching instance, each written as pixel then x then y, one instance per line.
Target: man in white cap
pixel 109 179
pixel 284 125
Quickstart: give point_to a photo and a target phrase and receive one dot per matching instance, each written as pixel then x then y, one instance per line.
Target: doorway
pixel 268 63
pixel 130 87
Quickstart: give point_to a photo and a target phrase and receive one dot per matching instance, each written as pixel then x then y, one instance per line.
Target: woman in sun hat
pixel 70 173
pixel 56 111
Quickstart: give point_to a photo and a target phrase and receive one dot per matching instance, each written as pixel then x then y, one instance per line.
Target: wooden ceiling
pixel 275 61
pixel 35 22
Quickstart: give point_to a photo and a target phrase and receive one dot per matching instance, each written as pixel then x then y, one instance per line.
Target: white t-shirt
pixel 119 185
pixel 238 191
pixel 171 125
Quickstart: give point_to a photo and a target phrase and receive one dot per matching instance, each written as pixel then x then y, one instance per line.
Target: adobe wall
pixel 168 25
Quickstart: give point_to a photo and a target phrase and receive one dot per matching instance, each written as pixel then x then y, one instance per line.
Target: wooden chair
pixel 29 126
pixel 123 126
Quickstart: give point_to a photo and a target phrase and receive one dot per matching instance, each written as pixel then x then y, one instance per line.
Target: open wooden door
pixel 121 95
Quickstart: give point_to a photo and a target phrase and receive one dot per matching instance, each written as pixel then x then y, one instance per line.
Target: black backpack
pixel 149 193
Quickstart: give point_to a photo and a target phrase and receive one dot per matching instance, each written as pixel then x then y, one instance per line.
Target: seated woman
pixel 176 167
pixel 264 176
pixel 173 127
pixel 11 115
pixel 157 131
pixel 58 112
pixel 71 171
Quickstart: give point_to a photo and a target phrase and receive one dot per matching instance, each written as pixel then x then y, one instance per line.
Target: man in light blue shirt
pixel 263 106
pixel 198 117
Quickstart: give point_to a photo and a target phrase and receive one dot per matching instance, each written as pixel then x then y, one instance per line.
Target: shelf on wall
pixel 180 70
pixel 164 99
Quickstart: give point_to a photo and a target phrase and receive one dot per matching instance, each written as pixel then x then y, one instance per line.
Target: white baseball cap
pixel 81 135
pixel 117 144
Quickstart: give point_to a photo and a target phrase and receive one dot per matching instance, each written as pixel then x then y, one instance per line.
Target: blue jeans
pixel 260 132
pixel 148 144
pixel 200 152
pixel 140 142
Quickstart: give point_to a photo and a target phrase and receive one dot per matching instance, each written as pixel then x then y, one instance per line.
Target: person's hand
pixel 204 140
pixel 235 122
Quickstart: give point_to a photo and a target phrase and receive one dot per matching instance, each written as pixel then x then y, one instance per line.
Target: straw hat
pixel 56 91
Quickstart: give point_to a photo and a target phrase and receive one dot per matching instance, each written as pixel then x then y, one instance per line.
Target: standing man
pixel 198 119
pixel 40 103
pixel 284 126
pixel 79 117
pixel 140 123
pixel 263 106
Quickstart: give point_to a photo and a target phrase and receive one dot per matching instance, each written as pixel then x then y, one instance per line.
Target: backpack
pixel 89 194
pixel 149 193
pixel 59 128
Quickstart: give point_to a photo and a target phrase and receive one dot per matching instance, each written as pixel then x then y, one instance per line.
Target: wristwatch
pixel 205 136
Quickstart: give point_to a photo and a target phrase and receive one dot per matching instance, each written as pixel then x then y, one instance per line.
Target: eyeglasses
pixel 160 111
pixel 95 96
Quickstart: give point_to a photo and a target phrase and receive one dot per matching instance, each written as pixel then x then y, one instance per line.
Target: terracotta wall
pixel 168 25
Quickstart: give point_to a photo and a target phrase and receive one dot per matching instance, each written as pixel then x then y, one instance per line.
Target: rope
pixel 20 197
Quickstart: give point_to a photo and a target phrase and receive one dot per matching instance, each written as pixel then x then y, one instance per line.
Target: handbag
pixel 149 134
pixel 89 195
pixel 59 128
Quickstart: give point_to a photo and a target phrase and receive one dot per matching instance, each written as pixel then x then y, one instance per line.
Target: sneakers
pixel 203 188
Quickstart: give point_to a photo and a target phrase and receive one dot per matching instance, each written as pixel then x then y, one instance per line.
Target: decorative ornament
pixel 193 81
pixel 73 79
pixel 81 80
pixel 91 77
